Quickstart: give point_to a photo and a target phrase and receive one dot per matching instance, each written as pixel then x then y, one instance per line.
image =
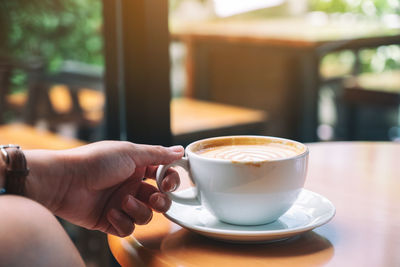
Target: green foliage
pixel 53 30
pixel 372 60
pixel 366 7
pixel 381 59
pixel 328 6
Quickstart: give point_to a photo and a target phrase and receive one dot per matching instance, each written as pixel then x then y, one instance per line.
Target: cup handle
pixel 184 163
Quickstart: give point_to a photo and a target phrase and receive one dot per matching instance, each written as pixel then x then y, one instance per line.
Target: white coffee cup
pixel 244 189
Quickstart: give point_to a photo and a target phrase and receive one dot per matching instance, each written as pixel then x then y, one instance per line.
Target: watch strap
pixel 16 169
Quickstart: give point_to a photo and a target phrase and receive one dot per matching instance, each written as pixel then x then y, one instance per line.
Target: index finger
pixel 145 155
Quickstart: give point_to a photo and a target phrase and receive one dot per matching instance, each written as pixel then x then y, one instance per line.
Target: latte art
pixel 247 153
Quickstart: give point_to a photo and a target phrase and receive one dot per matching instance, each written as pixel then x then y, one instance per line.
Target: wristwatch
pixel 16 169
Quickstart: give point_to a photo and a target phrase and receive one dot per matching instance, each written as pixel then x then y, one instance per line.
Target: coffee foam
pixel 248 149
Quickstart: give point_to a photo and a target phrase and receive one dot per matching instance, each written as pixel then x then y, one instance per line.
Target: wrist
pixel 45 178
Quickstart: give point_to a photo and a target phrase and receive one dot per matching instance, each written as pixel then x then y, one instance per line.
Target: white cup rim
pixel 190 153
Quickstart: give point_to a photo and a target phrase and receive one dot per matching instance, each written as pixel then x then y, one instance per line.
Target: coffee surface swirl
pixel 246 153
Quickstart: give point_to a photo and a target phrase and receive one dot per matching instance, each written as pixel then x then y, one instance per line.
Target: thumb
pixel 145 155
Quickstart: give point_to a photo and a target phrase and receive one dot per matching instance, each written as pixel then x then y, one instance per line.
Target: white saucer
pixel 308 212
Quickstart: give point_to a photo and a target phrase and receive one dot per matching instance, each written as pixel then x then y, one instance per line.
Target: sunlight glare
pixel 225 8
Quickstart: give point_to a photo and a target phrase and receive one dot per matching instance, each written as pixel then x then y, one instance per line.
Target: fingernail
pixel 115 219
pixel 173 188
pixel 176 149
pixel 165 185
pixel 130 204
pixel 170 187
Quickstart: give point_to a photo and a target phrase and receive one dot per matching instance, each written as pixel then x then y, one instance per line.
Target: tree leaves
pixel 54 30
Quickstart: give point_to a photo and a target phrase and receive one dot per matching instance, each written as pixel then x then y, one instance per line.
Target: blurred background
pixel 171 72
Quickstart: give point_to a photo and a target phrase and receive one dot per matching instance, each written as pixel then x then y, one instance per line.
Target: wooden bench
pixel 56 98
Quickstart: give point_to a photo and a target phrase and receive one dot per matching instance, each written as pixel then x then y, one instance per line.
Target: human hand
pixel 99 186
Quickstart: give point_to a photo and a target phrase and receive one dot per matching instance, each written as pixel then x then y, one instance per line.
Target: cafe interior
pixel 322 72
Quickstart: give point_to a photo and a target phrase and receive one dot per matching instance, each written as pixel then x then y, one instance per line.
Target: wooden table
pixel 29 137
pixel 272 64
pixel 362 181
pixel 193 120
